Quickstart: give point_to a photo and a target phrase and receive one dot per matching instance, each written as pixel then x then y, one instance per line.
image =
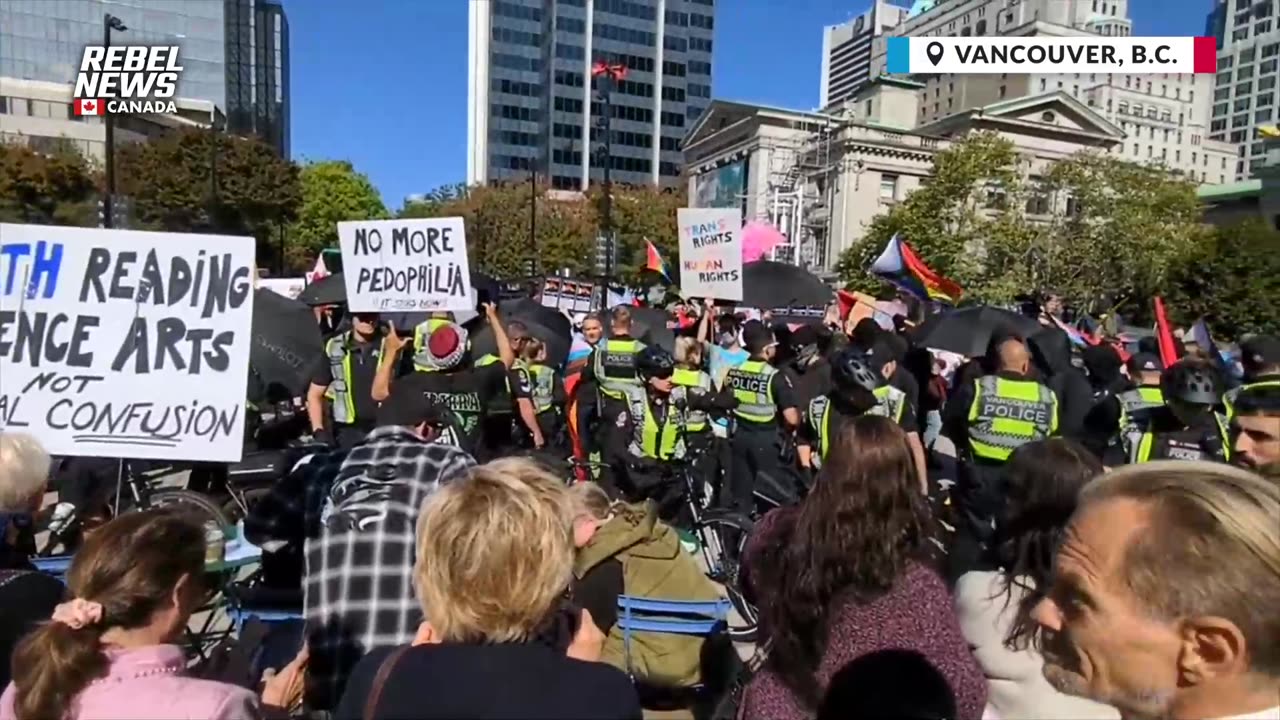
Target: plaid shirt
pixel 358 511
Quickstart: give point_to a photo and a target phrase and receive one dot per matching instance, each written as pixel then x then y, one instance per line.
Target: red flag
pixel 847 301
pixel 1168 348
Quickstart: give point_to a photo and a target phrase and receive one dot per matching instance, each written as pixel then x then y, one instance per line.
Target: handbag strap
pixel 384 672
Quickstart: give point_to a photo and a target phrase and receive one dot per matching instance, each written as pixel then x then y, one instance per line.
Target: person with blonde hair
pixel 27 596
pixel 625 549
pixel 493 567
pixel 1164 594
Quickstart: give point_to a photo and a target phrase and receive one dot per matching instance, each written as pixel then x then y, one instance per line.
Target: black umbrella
pixel 649 325
pixel 286 345
pixel 767 285
pixel 328 290
pixel 968 331
pixel 527 309
pixel 482 342
pixel 332 290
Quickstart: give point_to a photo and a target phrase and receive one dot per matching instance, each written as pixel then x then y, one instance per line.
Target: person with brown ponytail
pixel 109 652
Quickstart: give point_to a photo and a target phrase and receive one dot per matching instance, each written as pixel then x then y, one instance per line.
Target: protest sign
pixel 710 252
pixel 288 287
pixel 118 343
pixel 405 265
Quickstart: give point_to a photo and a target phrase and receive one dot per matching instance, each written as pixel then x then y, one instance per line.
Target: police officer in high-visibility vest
pixel 612 370
pixel 499 433
pixel 1187 427
pixel 423 331
pixel 539 394
pixel 988 420
pixel 653 428
pixel 763 422
pixel 895 403
pixel 344 382
pixel 1256 429
pixel 1260 360
pixel 853 389
pixel 1138 402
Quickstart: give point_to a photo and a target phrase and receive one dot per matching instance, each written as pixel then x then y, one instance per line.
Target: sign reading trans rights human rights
pixel 117 343
pixel 406 265
pixel 1021 55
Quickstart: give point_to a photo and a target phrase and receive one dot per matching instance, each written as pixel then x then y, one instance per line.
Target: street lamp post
pixel 110 22
pixel 611 74
pixel 533 216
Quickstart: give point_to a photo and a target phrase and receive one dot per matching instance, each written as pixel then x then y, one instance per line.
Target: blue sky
pixel 383 83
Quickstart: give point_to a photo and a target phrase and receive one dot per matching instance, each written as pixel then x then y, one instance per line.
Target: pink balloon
pixel 758 239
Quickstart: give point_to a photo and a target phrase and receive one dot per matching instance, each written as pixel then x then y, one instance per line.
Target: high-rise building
pixel 1244 90
pixel 1164 116
pixel 531 105
pixel 257 59
pixel 44 40
pixel 846 51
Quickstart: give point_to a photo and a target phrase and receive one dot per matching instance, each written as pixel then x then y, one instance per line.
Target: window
pixel 888 187
pixel 981 27
pixel 1177 156
pixel 1003 91
pixel 1135 149
pixel 868 108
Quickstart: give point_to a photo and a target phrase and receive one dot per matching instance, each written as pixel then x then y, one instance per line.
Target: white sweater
pixel 1016 688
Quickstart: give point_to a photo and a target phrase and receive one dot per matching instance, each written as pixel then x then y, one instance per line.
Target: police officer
pixel 766 413
pixel 464 388
pixel 653 428
pixel 1260 359
pixel 1186 427
pixel 499 422
pixel 344 382
pixel 539 394
pixel 893 401
pixel 853 386
pixel 612 371
pixel 988 420
pixel 1138 402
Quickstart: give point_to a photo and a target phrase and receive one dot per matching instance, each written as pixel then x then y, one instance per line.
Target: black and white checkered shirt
pixel 358 511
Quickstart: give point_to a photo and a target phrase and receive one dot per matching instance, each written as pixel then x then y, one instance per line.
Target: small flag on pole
pixel 900 265
pixel 654 261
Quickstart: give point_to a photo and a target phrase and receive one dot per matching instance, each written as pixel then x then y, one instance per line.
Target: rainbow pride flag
pixel 900 265
pixel 653 260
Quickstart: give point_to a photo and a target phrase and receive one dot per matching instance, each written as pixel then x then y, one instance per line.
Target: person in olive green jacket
pixel 624 549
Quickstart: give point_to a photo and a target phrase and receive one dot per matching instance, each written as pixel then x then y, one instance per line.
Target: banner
pixel 572 296
pixel 405 265
pixel 710 252
pixel 120 343
pixel 288 287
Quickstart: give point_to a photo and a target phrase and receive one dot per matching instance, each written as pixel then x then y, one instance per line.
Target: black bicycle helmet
pixel 850 370
pixel 653 362
pixel 1191 382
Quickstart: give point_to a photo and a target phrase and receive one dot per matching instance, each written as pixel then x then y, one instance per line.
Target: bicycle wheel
pixel 204 508
pixel 233 508
pixel 723 536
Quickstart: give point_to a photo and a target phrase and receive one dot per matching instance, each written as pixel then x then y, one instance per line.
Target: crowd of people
pixel 1044 530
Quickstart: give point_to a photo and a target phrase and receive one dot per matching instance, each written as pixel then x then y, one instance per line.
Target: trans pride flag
pixel 900 265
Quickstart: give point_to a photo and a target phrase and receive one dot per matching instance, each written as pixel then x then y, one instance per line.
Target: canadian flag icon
pixel 89 106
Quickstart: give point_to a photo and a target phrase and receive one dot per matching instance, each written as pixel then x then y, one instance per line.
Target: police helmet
pixel 1192 383
pixel 850 370
pixel 654 361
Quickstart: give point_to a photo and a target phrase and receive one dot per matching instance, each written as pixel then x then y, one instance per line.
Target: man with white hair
pixel 1165 594
pixel 27 596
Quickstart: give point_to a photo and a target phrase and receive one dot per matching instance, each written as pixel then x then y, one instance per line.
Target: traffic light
pixel 606 254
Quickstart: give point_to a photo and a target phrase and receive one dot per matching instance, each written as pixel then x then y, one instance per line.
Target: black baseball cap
pixel 756 336
pixel 883 352
pixel 1145 362
pixel 1260 351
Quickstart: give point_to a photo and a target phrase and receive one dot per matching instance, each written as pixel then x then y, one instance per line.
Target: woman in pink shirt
pixel 109 653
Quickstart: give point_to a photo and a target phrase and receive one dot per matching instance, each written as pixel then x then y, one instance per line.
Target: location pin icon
pixel 934 51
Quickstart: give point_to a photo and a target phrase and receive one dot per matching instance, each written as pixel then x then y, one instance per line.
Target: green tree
pixel 332 192
pixel 976 188
pixel 431 205
pixel 1231 278
pixel 641 213
pixel 57 188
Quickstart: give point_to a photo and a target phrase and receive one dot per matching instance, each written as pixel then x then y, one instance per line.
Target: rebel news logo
pixel 127 79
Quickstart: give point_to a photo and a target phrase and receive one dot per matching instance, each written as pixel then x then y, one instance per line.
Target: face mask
pixel 728 339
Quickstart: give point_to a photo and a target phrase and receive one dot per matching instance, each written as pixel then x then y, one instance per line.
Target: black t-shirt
pixel 467 393
pixel 814 382
pixel 907 383
pixel 365 357
pixel 27 598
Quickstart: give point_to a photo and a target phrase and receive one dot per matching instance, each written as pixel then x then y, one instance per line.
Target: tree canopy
pixel 332 191
pixel 57 188
pixel 1231 279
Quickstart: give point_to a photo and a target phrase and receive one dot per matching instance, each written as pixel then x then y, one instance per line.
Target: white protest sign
pixel 288 287
pixel 405 265
pixel 710 252
pixel 119 343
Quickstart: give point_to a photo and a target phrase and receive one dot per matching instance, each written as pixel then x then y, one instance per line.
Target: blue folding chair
pixel 676 617
pixel 55 565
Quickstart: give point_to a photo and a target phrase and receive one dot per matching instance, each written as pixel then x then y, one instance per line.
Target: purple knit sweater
pixel 916 614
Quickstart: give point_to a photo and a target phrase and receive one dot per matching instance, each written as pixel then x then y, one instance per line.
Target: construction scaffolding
pixel 801 181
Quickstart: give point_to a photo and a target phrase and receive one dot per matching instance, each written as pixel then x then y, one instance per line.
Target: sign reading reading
pixel 710 252
pixel 117 343
pixel 405 265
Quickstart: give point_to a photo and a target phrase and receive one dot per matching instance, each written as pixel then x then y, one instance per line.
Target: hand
pixel 709 303
pixel 538 441
pixel 323 436
pixel 283 689
pixel 490 311
pixel 395 343
pixel 588 642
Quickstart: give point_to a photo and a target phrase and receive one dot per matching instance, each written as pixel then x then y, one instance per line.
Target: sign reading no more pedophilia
pixel 118 343
pixel 406 265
